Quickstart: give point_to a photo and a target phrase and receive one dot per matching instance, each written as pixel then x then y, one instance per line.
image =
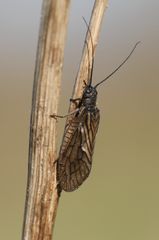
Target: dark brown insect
pixel 75 157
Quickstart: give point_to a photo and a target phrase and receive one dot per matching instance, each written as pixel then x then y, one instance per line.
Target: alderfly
pixel 75 157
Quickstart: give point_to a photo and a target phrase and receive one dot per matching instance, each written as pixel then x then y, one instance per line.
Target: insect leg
pixel 75 101
pixel 85 84
pixel 64 116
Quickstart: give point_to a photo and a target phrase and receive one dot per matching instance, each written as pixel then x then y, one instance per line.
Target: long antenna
pixel 88 59
pixel 92 65
pixel 118 66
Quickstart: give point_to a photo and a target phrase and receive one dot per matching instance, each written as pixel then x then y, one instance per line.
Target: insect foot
pixel 54 116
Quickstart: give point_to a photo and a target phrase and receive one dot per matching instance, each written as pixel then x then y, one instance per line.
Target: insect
pixel 75 157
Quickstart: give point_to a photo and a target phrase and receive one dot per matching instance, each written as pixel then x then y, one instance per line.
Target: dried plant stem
pixel 94 25
pixel 42 197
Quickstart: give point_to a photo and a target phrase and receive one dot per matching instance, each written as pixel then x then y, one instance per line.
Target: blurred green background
pixel 120 199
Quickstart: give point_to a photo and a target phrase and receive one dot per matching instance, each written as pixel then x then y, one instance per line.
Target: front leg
pixel 64 116
pixel 75 101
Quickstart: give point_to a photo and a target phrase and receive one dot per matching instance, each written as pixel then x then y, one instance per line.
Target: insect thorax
pixel 89 98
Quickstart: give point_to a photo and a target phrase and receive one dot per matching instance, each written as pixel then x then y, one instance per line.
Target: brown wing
pixel 75 158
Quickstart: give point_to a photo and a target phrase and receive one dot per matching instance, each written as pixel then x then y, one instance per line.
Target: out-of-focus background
pixel 120 199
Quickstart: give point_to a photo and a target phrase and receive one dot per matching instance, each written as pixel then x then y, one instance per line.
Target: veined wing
pixel 75 158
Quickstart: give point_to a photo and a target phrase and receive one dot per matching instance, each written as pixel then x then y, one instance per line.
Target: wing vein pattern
pixel 75 157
